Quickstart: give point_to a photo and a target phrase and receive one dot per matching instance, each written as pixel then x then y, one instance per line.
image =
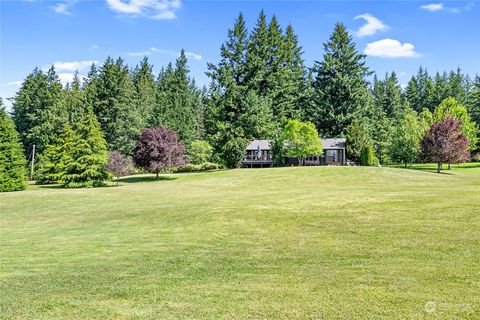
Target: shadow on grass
pixel 137 179
pixel 432 168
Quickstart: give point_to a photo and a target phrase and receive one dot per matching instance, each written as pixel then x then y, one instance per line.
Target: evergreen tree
pixel 112 96
pixel 388 95
pixel 86 155
pixel 341 89
pixel 440 88
pixel 176 100
pixel 12 160
pixel 357 140
pixel 37 109
pixel 412 94
pixel 474 101
pixel 51 164
pixel 144 96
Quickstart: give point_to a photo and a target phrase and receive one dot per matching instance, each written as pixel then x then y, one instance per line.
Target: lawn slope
pixel 313 242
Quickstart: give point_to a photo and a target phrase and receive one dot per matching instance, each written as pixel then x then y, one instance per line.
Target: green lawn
pixel 304 243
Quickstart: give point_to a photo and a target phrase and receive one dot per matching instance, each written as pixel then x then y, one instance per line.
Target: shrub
pixel 119 165
pixel 367 158
pixel 199 152
pixel 206 166
pixel 12 160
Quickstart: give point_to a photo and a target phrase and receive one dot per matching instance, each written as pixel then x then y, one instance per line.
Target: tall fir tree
pixel 37 109
pixel 145 96
pixel 86 155
pixel 112 96
pixel 12 159
pixel 177 99
pixel 340 85
pixel 474 100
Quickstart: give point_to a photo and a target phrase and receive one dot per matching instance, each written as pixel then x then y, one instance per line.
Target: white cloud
pixel 153 9
pixel 371 27
pixel 193 55
pixel 62 8
pixel 66 77
pixel 94 46
pixel 433 7
pixel 14 83
pixel 188 54
pixel 139 54
pixel 390 48
pixel 73 65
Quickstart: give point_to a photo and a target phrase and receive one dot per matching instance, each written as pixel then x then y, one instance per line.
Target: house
pixel 334 153
pixel 259 154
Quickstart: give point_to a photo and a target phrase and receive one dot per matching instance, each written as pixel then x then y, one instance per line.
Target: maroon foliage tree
pixel 119 165
pixel 159 149
pixel 445 143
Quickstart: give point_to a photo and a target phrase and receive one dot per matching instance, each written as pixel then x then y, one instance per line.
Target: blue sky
pixel 396 35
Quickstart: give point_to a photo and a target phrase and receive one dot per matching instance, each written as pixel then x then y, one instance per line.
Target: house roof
pixel 334 143
pixel 328 143
pixel 264 145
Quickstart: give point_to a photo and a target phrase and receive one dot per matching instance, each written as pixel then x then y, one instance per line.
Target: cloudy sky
pixel 71 34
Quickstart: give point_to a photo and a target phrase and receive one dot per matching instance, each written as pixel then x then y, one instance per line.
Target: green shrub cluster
pixel 367 157
pixel 206 166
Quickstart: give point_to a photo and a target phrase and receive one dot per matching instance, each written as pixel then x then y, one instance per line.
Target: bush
pixel 206 166
pixel 367 158
pixel 199 152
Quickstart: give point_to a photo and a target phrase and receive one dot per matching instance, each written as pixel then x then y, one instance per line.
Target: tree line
pixel 258 85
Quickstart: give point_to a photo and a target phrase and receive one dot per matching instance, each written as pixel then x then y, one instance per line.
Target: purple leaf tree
pixel 159 149
pixel 119 165
pixel 445 143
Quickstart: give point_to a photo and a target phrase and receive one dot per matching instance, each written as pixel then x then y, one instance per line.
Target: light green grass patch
pixel 305 243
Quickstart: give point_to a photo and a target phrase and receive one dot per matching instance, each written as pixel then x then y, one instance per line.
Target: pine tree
pixel 176 100
pixel 440 88
pixel 112 95
pixel 474 101
pixel 341 89
pixel 86 155
pixel 12 160
pixel 51 164
pixel 388 95
pixel 144 96
pixel 37 109
pixel 412 94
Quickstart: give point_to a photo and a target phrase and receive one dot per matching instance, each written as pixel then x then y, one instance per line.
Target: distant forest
pixel 260 82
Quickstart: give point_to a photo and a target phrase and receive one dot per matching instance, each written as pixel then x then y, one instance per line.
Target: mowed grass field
pixel 280 243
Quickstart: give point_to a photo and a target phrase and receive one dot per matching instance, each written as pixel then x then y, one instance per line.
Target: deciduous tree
pixel 445 143
pixel 301 140
pixel 159 149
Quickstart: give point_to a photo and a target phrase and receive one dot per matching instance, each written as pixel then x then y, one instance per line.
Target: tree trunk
pixel 449 166
pixel 439 167
pixel 117 180
pixel 405 164
pixel 156 178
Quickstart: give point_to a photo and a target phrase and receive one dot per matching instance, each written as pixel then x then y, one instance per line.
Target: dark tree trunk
pixel 449 166
pixel 156 178
pixel 439 167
